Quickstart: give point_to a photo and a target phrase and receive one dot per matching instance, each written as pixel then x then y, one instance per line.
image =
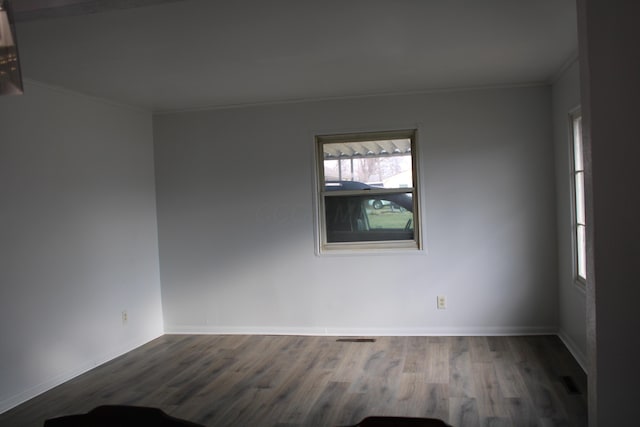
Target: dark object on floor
pixel 120 416
pixel 400 422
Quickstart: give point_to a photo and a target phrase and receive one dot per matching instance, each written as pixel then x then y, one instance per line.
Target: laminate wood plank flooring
pixel 285 381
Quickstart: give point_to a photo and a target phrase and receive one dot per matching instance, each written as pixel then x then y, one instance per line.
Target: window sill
pixel 371 248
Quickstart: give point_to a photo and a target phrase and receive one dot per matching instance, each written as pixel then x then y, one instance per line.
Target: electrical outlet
pixel 125 317
pixel 442 302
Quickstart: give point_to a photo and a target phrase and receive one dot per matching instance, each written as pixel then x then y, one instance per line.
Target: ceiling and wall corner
pixel 177 55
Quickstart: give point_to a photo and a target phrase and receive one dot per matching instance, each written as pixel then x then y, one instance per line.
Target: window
pixel 367 191
pixel 579 223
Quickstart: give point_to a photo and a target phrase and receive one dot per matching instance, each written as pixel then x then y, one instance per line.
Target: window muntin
pixel 367 191
pixel 579 218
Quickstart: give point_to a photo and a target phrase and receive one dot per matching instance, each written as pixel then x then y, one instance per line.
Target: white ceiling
pixel 212 53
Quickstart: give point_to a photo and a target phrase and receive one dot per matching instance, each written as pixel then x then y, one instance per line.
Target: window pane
pixel 367 191
pixel 385 163
pixel 580 217
pixel 577 144
pixel 581 250
pixel 366 218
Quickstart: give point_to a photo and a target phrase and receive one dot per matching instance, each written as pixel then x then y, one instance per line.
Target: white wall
pixel 235 213
pixel 571 298
pixel 78 241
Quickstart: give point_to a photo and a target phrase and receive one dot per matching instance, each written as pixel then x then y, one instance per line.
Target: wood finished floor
pixel 219 380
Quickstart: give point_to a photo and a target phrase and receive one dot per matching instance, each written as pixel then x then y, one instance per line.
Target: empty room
pixel 312 213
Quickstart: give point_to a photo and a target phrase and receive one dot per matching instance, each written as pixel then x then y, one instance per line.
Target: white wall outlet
pixel 125 317
pixel 442 302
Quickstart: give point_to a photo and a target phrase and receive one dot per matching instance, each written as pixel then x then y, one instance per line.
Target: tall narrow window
pixel 579 222
pixel 367 191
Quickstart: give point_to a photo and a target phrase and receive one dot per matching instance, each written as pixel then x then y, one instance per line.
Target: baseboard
pixel 57 380
pixel 339 331
pixel 574 350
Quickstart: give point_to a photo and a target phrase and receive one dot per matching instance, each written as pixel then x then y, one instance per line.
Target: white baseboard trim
pixel 338 331
pixel 578 354
pixel 55 381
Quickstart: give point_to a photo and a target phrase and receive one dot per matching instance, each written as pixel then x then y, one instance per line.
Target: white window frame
pixel 323 247
pixel 578 203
